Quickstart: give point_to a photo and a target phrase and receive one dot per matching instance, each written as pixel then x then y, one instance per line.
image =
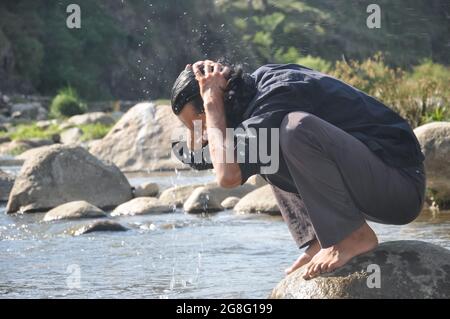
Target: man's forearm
pixel 228 174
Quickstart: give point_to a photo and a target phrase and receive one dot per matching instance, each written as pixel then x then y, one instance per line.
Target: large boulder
pixel 434 139
pixel 74 210
pixel 209 198
pixel 59 174
pixel 141 139
pixel 394 270
pixel 141 206
pixel 91 118
pixel 261 200
pixel 6 184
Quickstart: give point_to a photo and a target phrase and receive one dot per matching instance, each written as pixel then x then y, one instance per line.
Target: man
pixel 344 157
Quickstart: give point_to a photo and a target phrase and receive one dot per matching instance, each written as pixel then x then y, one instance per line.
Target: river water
pixel 173 255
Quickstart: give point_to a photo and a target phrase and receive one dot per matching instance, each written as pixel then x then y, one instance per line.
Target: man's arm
pixel 212 84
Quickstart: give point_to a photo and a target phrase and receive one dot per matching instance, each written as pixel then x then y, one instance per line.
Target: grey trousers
pixel 341 183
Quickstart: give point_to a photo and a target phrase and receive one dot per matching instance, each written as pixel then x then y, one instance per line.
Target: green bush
pixel 315 63
pixel 28 131
pixel 67 103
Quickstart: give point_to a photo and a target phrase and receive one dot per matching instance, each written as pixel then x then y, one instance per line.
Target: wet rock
pixel 99 226
pixel 74 210
pixel 401 270
pixel 6 184
pixel 261 200
pixel 210 197
pixel 141 206
pixel 146 190
pixel 230 202
pixel 60 174
pixel 71 136
pixel 91 118
pixel 177 195
pixel 434 139
pixel 141 140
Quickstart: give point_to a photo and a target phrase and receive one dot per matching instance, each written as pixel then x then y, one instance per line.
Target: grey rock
pixel 71 136
pixel 146 190
pixel 230 202
pixel 177 195
pixel 261 200
pixel 141 139
pixel 210 197
pixel 74 210
pixel 434 139
pixel 99 226
pixel 59 174
pixel 407 270
pixel 141 206
pixel 91 118
pixel 6 184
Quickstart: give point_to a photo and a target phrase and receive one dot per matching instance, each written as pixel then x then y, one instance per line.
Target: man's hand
pixel 212 81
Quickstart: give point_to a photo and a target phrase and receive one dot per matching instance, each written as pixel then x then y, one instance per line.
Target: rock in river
pixel 147 189
pixel 74 210
pixel 59 174
pixel 141 206
pixel 434 139
pixel 395 270
pixel 177 195
pixel 91 118
pixel 6 184
pixel 98 226
pixel 210 197
pixel 261 200
pixel 230 202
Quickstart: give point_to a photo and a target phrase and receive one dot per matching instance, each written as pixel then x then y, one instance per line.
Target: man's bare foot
pixel 305 258
pixel 326 260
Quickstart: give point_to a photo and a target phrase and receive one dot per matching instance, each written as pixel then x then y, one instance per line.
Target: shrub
pixel 94 131
pixel 67 103
pixel 315 63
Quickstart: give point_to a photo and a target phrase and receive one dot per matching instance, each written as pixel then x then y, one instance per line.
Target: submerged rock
pixel 141 206
pixel 146 190
pixel 141 139
pixel 261 200
pixel 98 226
pixel 6 184
pixel 394 270
pixel 230 202
pixel 434 139
pixel 74 210
pixel 61 174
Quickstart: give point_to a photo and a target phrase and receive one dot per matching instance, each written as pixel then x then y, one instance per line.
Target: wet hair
pixel 240 90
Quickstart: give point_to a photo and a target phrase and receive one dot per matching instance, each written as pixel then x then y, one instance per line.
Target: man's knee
pixel 296 130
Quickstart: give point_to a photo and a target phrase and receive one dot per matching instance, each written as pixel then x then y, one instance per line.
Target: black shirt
pixel 285 88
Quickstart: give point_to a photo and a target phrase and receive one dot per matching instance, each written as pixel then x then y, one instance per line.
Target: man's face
pixel 194 121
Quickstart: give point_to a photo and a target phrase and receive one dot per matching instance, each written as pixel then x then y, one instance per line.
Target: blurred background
pixel 134 49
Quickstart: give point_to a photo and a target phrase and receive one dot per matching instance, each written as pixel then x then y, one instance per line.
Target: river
pixel 172 255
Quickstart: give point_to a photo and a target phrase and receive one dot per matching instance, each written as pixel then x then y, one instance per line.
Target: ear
pixel 188 67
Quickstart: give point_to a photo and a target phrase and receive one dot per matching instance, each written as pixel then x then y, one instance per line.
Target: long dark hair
pixel 239 92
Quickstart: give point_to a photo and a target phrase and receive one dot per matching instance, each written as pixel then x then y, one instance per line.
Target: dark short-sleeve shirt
pixel 285 88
